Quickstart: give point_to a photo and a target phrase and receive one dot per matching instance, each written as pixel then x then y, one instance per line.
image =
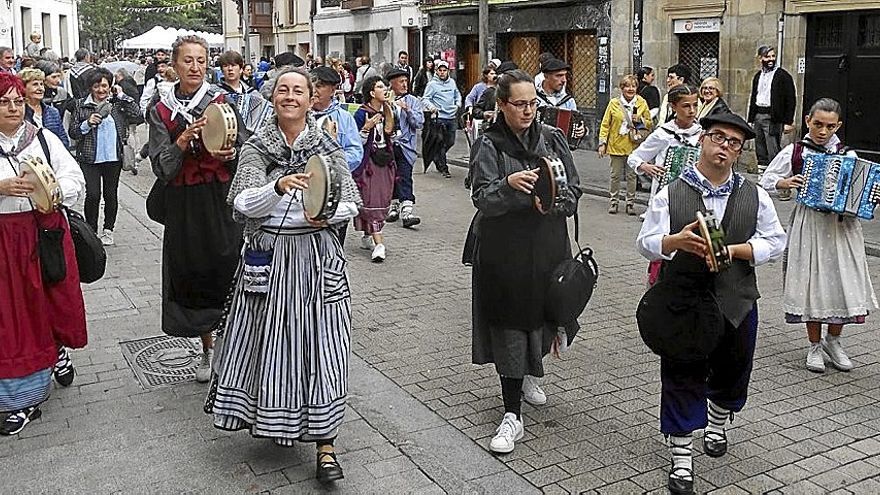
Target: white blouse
pixel 263 201
pixel 67 171
pixel 654 148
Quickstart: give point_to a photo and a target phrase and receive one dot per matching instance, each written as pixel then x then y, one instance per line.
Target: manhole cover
pixel 162 360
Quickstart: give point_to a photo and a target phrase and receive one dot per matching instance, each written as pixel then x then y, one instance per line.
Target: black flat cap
pixel 554 65
pixel 326 75
pixel 288 58
pixel 506 67
pixel 395 73
pixel 730 119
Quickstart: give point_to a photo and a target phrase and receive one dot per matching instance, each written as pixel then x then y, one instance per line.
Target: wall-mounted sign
pixel 704 25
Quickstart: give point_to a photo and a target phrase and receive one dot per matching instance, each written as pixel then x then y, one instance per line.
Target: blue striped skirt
pixel 281 362
pixel 24 392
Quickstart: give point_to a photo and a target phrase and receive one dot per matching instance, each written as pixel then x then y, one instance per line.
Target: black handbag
pixel 91 258
pixel 571 285
pixel 156 209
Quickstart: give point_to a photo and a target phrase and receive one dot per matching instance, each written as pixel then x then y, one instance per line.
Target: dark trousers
pixel 768 139
pixel 723 378
pixel 403 186
pixel 449 128
pixel 95 174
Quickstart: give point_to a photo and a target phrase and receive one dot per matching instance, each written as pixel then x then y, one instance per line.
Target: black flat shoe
pixel 679 486
pixel 328 468
pixel 16 421
pixel 714 444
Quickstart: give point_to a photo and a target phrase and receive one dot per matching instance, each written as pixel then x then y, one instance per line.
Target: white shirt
pixel 768 242
pixel 67 171
pixel 263 201
pixel 765 80
pixel 780 167
pixel 654 148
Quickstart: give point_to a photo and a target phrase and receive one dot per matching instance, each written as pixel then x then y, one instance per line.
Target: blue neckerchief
pixel 706 189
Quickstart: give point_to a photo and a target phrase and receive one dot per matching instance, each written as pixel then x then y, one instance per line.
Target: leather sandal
pixel 714 444
pixel 328 468
pixel 677 484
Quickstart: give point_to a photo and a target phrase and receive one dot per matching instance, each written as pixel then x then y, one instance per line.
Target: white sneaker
pixel 107 238
pixel 203 372
pixel 532 392
pixel 510 430
pixel 815 359
pixel 367 242
pixel 834 350
pixel 378 255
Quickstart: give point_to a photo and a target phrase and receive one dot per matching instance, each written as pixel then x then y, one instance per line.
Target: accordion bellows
pixel 841 184
pixel 677 159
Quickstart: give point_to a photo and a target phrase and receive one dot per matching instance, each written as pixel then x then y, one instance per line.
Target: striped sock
pixel 682 448
pixel 717 418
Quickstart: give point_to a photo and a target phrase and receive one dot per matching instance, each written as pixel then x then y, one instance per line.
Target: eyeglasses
pixel 719 138
pixel 709 88
pixel 4 102
pixel 522 105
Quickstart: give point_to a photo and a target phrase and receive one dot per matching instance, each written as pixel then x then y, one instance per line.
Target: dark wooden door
pixel 843 52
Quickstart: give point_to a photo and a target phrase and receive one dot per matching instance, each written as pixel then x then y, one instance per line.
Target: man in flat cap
pixel 552 93
pixel 410 116
pixel 703 391
pixel 443 98
pixel 330 115
pixel 771 106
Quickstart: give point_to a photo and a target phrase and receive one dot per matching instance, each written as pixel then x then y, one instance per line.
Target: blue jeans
pixel 449 128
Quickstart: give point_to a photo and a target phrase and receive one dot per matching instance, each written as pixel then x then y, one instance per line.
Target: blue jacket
pixel 410 122
pixel 51 121
pixel 444 96
pixel 347 134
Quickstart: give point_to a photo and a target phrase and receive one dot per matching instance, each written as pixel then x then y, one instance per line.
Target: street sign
pixel 703 25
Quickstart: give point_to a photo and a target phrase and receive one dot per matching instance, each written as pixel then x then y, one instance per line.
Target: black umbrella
pixel 432 141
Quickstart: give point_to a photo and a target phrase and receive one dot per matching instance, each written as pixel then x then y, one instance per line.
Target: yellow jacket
pixel 609 132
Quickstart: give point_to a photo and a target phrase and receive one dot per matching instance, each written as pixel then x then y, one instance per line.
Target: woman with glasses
pixel 38 315
pixel 711 98
pixel 516 249
pixel 99 126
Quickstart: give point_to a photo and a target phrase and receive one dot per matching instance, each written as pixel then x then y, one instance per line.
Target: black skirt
pixel 201 249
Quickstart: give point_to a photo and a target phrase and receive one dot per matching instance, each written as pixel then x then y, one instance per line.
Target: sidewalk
pixel 594 175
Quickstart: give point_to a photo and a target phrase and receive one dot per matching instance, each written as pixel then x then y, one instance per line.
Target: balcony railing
pixel 357 4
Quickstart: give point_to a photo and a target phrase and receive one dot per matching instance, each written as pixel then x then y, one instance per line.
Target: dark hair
pixel 682 71
pixel 365 60
pixel 95 75
pixel 764 50
pixel 402 52
pixel 826 105
pixel 485 73
pixel 369 85
pixel 48 67
pixel 230 57
pixel 508 79
pixel 677 93
pixel 81 54
pixel 347 66
pixel 644 71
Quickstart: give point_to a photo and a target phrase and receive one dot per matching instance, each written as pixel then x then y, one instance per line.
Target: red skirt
pixel 35 318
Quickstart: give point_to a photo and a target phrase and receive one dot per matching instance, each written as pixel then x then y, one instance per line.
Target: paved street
pixel 421 415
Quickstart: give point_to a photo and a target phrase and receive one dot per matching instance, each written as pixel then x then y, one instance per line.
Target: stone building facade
pixel 275 26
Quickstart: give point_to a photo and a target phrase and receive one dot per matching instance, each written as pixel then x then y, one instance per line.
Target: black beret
pixel 326 75
pixel 506 67
pixel 554 65
pixel 730 119
pixel 395 73
pixel 288 58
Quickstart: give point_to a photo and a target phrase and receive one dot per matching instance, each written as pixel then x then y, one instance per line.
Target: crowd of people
pixel 263 283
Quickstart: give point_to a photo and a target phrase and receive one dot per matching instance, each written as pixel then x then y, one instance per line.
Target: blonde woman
pixel 627 111
pixel 711 101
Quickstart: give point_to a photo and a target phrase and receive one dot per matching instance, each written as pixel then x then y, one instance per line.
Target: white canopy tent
pixel 160 37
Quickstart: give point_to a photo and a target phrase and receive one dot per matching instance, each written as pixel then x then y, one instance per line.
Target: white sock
pixel 682 454
pixel 717 418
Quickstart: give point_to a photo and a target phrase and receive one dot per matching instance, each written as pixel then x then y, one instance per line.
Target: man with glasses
pixel 443 98
pixel 703 389
pixel 771 106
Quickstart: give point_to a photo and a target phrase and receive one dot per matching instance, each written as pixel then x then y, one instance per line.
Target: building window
pixel 291 12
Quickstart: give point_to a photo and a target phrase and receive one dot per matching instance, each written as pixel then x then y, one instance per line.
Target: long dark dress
pixel 202 243
pixel 515 251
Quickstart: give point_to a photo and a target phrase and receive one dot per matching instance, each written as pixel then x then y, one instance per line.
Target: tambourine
pixel 221 127
pixel 551 184
pixel 712 232
pixel 47 193
pixel 324 193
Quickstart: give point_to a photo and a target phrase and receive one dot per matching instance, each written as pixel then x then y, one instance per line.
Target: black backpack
pixel 571 285
pixel 91 258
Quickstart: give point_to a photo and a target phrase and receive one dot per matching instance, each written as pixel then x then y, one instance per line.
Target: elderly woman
pixel 378 171
pixel 54 93
pixel 282 359
pixel 202 243
pixel 517 249
pixel 37 112
pixel 626 112
pixel 99 125
pixel 711 101
pixel 40 310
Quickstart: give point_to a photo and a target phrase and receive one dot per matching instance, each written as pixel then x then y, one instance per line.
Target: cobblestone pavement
pixel 422 415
